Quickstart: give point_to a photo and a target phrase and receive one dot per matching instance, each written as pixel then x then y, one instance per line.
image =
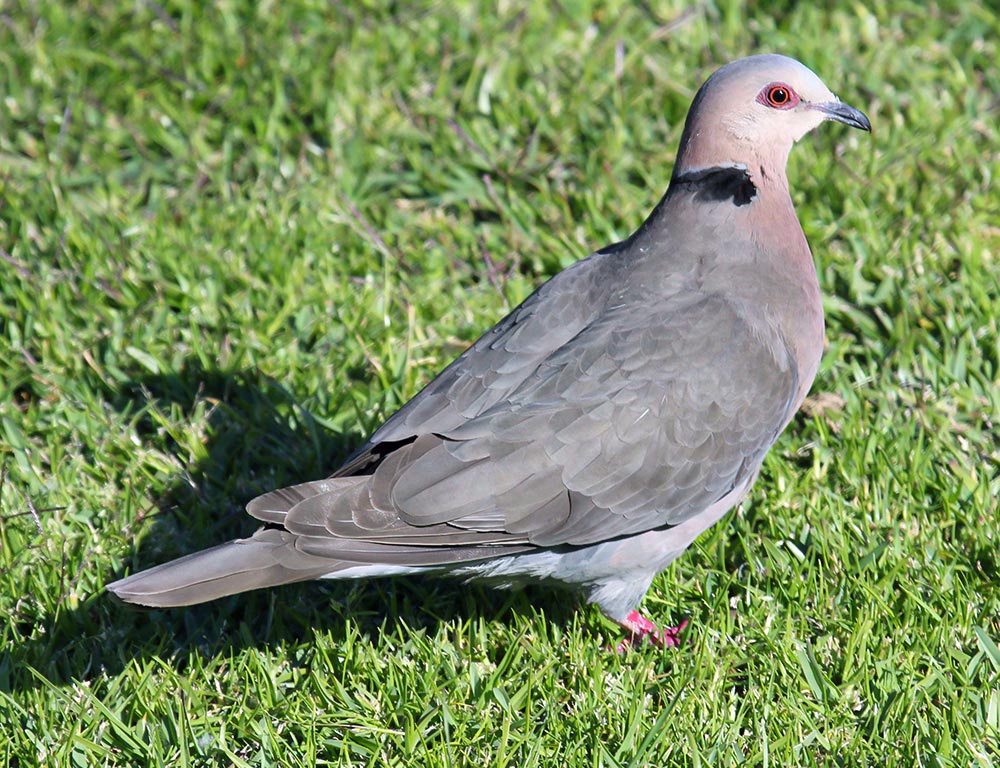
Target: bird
pixel 593 433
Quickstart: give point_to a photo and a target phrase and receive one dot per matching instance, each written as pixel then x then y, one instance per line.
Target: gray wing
pixel 645 419
pixel 497 364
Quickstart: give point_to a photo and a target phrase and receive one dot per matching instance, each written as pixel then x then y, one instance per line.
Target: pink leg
pixel 641 630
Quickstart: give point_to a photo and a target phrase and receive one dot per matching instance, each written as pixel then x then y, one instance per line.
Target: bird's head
pixel 751 111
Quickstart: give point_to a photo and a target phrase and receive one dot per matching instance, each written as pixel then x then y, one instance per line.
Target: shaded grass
pixel 235 239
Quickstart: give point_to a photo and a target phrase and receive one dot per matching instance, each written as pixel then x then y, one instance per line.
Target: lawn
pixel 235 237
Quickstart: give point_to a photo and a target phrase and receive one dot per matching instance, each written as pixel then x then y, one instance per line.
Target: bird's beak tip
pixel 844 113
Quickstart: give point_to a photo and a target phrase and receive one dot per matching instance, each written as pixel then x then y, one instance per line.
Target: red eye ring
pixel 778 96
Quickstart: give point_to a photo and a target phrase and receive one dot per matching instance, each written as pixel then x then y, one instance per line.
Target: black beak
pixel 844 113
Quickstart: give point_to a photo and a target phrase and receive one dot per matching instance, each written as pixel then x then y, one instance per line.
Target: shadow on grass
pixel 259 438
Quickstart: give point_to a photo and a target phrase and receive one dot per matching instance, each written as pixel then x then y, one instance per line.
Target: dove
pixel 622 409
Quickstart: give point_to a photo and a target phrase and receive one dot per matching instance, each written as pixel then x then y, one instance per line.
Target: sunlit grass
pixel 233 239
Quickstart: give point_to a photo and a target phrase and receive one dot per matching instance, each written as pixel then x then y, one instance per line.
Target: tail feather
pixel 271 557
pixel 267 559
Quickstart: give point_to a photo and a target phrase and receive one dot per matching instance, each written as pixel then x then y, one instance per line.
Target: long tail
pixel 267 559
pixel 308 547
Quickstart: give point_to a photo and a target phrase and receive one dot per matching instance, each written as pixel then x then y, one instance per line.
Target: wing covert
pixel 502 358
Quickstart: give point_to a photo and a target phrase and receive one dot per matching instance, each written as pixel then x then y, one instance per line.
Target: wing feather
pixel 647 418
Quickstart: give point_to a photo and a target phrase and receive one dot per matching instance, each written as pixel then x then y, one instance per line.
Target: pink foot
pixel 642 630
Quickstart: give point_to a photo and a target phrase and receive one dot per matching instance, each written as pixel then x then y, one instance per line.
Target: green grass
pixel 236 239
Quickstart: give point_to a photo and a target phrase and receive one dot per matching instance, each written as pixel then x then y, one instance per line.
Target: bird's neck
pixel 701 149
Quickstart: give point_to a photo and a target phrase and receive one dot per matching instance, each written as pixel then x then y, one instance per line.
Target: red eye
pixel 779 96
